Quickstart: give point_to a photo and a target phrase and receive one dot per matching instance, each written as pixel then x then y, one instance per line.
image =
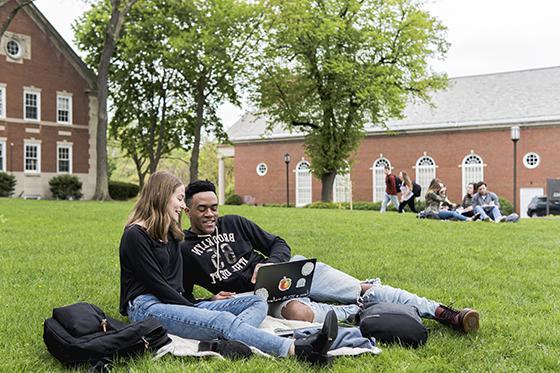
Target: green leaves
pixel 329 68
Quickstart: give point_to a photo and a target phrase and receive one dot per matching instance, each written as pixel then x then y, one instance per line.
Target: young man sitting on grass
pixel 224 254
pixel 486 204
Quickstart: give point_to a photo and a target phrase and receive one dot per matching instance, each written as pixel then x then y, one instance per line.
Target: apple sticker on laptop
pixel 285 284
pixel 307 268
pixel 300 283
pixel 262 293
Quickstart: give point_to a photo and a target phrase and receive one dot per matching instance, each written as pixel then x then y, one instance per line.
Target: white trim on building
pixel 63 108
pixel 64 158
pixel 304 180
pixel 472 170
pixel 31 104
pixel 378 178
pixel 2 154
pixel 32 153
pixel 3 100
pixel 425 169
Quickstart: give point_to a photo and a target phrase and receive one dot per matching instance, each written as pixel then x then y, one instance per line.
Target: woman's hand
pixel 223 295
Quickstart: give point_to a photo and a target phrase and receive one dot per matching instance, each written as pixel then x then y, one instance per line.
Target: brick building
pixel 48 109
pixel 466 137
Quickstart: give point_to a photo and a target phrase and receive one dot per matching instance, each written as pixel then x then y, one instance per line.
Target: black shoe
pixel 476 216
pixel 230 349
pixel 314 348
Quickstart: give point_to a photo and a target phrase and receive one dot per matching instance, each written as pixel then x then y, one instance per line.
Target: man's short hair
pixel 198 186
pixel 479 184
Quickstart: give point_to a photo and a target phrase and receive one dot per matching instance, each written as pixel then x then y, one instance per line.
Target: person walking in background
pixel 486 203
pixel 392 185
pixel 407 195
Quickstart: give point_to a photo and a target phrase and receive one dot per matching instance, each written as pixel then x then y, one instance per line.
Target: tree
pixel 18 5
pixel 212 44
pixel 329 67
pixel 111 31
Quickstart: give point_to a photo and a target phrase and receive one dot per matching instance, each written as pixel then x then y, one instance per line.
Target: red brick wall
pixel 49 70
pixel 448 149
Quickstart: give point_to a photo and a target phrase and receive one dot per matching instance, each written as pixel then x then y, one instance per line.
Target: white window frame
pixel 69 97
pixel 531 166
pixel 258 169
pixel 21 49
pixel 464 179
pixel 32 92
pixel 69 147
pixel 38 145
pixel 378 169
pixel 423 170
pixel 342 188
pixel 3 152
pixel 3 100
pixel 304 193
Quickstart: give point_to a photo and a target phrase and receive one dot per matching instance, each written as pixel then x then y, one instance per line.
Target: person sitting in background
pixel 486 204
pixel 437 204
pixel 466 208
pixel 407 196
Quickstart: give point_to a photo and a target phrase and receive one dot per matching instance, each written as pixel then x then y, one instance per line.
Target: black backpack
pixel 398 183
pixel 82 333
pixel 393 323
pixel 416 189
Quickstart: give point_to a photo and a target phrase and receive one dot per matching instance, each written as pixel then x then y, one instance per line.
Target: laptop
pixel 282 281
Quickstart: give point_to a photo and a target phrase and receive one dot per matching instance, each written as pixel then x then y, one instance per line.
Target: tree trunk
pixel 327 181
pixel 199 121
pixel 111 36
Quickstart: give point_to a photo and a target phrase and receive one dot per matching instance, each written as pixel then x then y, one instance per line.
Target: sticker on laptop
pixel 300 283
pixel 285 284
pixel 307 268
pixel 262 293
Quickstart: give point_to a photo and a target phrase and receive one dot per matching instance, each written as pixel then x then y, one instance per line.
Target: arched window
pixel 378 171
pixel 425 172
pixel 303 184
pixel 342 188
pixel 472 170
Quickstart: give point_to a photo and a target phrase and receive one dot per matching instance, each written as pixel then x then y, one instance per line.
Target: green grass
pixel 56 253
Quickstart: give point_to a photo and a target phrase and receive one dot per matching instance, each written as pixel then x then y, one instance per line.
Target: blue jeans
pixel 492 212
pixel 334 286
pixel 232 319
pixel 444 215
pixel 389 198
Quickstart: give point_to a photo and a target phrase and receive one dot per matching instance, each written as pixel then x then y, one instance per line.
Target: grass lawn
pixel 57 253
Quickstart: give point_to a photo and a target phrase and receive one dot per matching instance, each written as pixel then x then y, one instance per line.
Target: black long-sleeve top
pixel 152 267
pixel 226 259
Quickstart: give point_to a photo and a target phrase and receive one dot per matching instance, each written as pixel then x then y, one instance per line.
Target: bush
pixel 66 187
pixel 234 199
pixel 505 206
pixel 122 191
pixel 7 184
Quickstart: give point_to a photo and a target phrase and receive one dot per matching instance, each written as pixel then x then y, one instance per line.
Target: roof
pixel 499 99
pixel 42 22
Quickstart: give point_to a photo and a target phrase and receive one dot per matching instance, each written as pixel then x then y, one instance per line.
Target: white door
pixel 525 197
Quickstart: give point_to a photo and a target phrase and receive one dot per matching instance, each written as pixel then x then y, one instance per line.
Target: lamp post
pixel 515 132
pixel 287 159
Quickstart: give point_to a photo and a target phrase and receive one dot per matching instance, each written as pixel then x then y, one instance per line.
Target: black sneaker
pixel 466 320
pixel 229 349
pixel 314 348
pixel 476 216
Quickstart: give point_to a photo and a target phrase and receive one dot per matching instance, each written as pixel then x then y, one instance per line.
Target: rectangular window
pixel 64 159
pixel 32 105
pixel 2 102
pixel 3 156
pixel 32 158
pixel 64 109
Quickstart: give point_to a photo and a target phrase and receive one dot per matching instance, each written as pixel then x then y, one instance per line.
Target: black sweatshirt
pixel 150 267
pixel 226 259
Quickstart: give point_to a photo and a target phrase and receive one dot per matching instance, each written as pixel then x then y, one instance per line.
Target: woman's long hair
pixel 435 185
pixel 406 180
pixel 151 207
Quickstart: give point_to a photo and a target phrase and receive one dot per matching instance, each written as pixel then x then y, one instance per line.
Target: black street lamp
pixel 515 132
pixel 287 159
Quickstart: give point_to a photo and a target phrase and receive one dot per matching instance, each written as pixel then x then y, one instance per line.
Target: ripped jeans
pixel 335 290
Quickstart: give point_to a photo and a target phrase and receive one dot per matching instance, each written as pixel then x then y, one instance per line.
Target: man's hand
pixel 254 278
pixel 223 295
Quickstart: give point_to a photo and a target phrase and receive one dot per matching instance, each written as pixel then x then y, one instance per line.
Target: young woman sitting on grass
pixel 151 284
pixel 439 206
